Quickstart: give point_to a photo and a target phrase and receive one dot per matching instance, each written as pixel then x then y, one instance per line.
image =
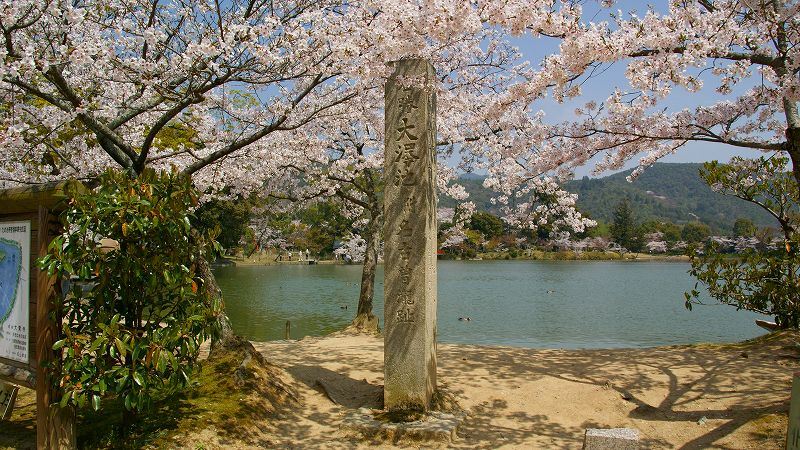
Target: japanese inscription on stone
pixel 410 236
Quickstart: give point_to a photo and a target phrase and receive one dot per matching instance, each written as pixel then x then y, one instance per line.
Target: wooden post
pixel 55 426
pixel 288 329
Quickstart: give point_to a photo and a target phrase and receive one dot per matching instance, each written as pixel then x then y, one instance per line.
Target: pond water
pixel 10 268
pixel 543 304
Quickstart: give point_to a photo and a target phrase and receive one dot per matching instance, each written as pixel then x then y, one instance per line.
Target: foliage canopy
pixel 624 230
pixel 764 280
pixel 487 223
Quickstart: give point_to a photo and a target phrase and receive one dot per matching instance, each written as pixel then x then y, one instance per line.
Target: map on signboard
pixel 14 289
pixel 10 271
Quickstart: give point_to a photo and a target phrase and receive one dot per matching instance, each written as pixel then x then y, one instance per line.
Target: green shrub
pixel 136 315
pixel 763 280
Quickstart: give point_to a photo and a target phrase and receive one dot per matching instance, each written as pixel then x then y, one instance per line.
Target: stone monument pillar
pixel 410 237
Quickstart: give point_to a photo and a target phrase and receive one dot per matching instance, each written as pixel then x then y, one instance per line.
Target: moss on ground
pixel 19 432
pixel 233 390
pixel 770 427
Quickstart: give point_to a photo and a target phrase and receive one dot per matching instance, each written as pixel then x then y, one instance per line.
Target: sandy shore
pixel 732 396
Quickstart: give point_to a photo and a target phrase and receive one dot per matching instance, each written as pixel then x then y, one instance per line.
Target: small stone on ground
pixel 611 439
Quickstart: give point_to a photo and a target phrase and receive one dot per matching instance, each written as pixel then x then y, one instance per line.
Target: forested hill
pixel 666 191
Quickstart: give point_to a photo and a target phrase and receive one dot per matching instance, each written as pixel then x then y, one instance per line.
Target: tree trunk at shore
pixel 793 149
pixel 365 320
pixel 227 345
pixel 226 334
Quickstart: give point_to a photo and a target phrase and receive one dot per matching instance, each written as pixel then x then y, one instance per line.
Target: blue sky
pixel 614 76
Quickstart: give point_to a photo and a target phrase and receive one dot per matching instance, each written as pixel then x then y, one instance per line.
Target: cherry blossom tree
pixel 656 246
pixel 133 74
pixel 234 93
pixel 341 154
pixel 745 50
pixel 230 92
pixel 343 167
pixel 353 248
pixel 655 243
pixel 265 236
pixel 92 84
pixel 139 84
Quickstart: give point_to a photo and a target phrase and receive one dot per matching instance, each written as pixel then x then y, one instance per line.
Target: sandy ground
pixel 692 397
pixel 733 396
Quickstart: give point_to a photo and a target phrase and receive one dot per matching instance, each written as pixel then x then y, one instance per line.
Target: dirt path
pixel 729 396
pixel 707 396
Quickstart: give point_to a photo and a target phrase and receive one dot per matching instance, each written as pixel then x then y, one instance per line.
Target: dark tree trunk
pixel 365 320
pixel 228 344
pixel 130 419
pixel 793 148
pixel 226 335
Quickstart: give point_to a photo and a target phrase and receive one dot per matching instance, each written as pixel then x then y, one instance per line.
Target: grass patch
pixel 786 341
pixel 20 431
pixel 199 406
pixel 770 428
pixel 232 391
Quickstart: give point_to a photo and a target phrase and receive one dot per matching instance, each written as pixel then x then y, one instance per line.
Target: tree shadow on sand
pixel 671 384
pixel 340 389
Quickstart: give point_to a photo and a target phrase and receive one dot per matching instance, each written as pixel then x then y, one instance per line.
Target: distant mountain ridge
pixel 666 191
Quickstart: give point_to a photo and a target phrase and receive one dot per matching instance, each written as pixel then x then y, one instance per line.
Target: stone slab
pixel 434 426
pixel 611 439
pixel 410 237
pixel 8 394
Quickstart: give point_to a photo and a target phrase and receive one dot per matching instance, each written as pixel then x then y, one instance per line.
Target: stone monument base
pixel 433 426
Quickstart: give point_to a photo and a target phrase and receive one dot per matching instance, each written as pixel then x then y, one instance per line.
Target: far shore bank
pixel 530 255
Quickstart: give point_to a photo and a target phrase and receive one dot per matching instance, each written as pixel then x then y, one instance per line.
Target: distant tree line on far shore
pixel 248 225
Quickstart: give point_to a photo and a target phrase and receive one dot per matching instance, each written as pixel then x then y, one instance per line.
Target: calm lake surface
pixel 543 304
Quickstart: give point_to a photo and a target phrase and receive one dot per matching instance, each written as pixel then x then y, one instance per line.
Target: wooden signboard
pixel 28 321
